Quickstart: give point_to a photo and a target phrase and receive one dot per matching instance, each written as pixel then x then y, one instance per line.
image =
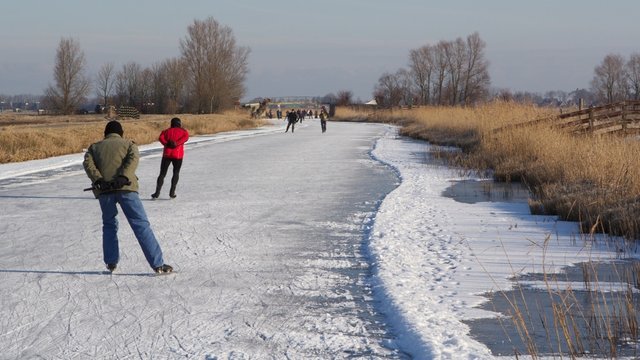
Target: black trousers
pixel 292 124
pixel 164 167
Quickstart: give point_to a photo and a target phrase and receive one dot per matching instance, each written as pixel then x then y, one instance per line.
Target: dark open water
pixel 581 307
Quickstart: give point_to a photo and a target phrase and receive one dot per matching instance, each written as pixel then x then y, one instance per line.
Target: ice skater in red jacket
pixel 173 140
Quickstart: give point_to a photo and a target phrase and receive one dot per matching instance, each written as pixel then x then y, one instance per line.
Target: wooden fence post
pixel 590 119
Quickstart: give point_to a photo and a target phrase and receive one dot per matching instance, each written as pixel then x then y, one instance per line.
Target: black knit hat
pixel 175 122
pixel 113 127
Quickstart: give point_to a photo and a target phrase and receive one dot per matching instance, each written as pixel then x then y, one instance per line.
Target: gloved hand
pixel 101 185
pixel 120 181
pixel 171 144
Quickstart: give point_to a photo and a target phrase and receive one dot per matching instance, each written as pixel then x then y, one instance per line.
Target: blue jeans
pixel 134 212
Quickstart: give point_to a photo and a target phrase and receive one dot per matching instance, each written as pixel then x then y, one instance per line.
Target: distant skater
pixel 111 165
pixel 173 140
pixel 292 118
pixel 323 119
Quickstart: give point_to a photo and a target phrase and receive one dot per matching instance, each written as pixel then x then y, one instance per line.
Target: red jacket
pixel 179 136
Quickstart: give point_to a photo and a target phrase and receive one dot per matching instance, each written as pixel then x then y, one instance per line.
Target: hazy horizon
pixel 316 49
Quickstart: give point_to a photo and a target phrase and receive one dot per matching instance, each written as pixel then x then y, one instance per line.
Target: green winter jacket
pixel 111 157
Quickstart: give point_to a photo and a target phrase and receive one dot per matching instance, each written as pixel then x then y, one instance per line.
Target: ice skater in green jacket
pixel 111 165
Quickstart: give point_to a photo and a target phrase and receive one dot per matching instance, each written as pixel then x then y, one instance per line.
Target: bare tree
pixel 440 66
pixel 389 91
pixel 421 65
pixel 129 85
pixel 344 97
pixel 175 74
pixel 610 79
pixel 216 66
pixel 146 91
pixel 329 98
pixel 105 81
pixel 633 74
pixel 455 58
pixel 158 91
pixel 405 83
pixel 71 84
pixel 450 72
pixel 476 77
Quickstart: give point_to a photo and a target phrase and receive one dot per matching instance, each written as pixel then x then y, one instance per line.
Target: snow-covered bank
pixel 435 256
pixel 12 170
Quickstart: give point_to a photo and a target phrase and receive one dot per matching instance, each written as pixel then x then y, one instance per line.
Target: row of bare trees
pixel 616 79
pixel 160 88
pixel 447 73
pixel 208 77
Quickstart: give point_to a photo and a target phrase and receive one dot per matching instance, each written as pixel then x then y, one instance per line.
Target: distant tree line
pixel 447 73
pixel 616 79
pixel 341 98
pixel 553 98
pixel 456 73
pixel 208 77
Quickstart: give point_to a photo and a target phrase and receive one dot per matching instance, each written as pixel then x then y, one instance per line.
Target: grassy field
pixel 28 137
pixel 594 180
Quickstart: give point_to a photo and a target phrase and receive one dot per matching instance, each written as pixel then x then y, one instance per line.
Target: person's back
pixel 174 139
pixel 114 156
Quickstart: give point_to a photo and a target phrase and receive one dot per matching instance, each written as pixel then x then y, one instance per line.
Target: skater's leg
pixel 137 217
pixel 164 167
pixel 110 249
pixel 177 164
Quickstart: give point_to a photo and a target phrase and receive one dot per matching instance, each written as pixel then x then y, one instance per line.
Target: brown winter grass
pixel 591 179
pixel 29 137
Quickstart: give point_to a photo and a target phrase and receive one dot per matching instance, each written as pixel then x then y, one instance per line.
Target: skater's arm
pixel 163 138
pixel 90 166
pixel 130 162
pixel 182 138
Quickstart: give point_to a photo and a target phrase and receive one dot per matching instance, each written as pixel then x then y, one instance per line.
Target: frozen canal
pixel 265 235
pixel 350 243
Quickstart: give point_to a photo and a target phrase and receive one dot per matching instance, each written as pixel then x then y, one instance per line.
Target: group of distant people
pixel 293 116
pixel 301 113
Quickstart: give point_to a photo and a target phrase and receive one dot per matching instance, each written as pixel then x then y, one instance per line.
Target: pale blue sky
pixel 314 48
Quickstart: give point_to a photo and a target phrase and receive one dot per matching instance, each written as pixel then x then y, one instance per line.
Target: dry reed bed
pixel 594 180
pixel 37 137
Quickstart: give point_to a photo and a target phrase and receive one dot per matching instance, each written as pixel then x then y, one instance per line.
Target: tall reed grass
pixel 600 320
pixel 594 180
pixel 37 137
